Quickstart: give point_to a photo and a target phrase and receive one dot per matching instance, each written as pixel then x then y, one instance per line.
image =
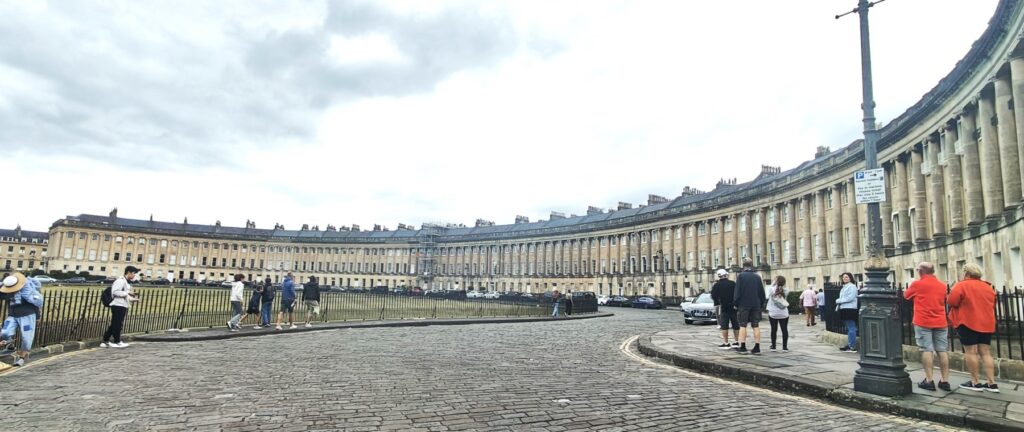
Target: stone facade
pixel 953 166
pixel 22 251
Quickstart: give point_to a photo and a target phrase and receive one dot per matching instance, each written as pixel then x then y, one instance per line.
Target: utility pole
pixel 882 371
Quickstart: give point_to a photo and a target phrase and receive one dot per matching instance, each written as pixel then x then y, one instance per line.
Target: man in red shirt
pixel 929 296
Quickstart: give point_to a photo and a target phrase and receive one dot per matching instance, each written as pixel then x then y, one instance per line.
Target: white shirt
pixel 236 291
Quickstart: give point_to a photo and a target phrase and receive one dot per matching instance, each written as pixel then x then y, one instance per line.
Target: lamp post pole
pixel 882 371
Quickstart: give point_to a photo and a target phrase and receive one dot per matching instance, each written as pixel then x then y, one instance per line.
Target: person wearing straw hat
pixel 24 305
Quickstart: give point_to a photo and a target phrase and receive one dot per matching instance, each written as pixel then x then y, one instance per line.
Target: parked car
pixel 109 280
pixel 379 290
pixel 226 284
pixel 75 280
pixel 602 300
pixel 356 290
pixel 491 295
pixel 44 279
pixel 644 302
pixel 399 291
pixel 700 309
pixel 161 281
pixel 188 282
pixel 619 301
pixel 416 291
pixel 474 294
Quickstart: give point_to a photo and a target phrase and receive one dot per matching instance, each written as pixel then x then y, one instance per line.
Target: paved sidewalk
pixel 819 369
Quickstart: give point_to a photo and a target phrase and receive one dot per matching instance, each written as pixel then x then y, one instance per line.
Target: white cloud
pixel 505 108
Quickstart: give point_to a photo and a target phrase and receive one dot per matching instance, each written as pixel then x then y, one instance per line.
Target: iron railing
pixel 76 314
pixel 1007 342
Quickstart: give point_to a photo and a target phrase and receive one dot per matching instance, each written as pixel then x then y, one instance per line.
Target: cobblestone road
pixel 567 375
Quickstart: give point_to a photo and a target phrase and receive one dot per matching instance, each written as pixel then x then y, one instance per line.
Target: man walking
pixel 820 298
pixel 311 298
pixel 287 300
pixel 266 302
pixel 123 297
pixel 555 297
pixel 24 302
pixel 722 294
pixel 748 298
pixel 809 300
pixel 930 328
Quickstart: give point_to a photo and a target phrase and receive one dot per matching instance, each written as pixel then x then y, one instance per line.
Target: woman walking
pixel 846 304
pixel 237 289
pixel 778 312
pixel 972 311
pixel 254 304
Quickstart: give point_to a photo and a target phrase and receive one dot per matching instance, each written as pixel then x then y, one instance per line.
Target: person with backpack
pixel 254 303
pixel 237 293
pixel 287 301
pixel 24 303
pixel 120 300
pixel 266 303
pixel 311 298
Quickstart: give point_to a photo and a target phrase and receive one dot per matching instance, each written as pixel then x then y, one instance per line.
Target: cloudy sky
pixel 387 112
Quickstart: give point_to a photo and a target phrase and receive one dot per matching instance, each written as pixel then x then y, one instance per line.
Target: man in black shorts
pixel 748 298
pixel 721 294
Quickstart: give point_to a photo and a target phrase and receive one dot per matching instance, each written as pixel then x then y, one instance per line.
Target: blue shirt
pixel 288 288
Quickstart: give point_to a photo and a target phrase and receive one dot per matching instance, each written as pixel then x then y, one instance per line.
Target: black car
pixel 356 290
pixel 379 290
pixel 75 280
pixel 619 301
pixel 188 282
pixel 161 281
pixel 399 291
pixel 644 302
pixel 212 283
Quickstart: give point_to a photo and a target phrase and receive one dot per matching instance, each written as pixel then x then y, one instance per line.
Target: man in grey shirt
pixel 748 298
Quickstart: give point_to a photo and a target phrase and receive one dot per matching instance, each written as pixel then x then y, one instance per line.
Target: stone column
pixel 973 199
pixel 721 238
pixel 902 200
pixel 763 211
pixel 808 242
pixel 1009 157
pixel 793 247
pixel 988 152
pixel 682 247
pixel 852 214
pixel 938 186
pixel 737 259
pixel 779 251
pixel 821 252
pixel 696 245
pixel 1017 90
pixel 885 208
pixel 837 221
pixel 920 197
pixel 750 235
pixel 956 182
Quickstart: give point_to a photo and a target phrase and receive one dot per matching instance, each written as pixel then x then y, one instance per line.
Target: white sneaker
pixel 119 345
pixel 257 328
pixel 308 325
pixel 278 327
pixel 104 345
pixel 294 326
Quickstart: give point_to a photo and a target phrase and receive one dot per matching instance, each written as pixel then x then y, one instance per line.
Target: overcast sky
pixel 387 112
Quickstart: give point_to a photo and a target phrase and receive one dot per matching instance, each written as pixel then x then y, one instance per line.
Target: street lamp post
pixel 882 371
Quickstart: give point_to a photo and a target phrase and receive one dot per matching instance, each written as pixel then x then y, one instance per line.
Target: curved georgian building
pixel 953 165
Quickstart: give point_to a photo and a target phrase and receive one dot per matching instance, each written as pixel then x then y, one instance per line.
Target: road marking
pixel 627 344
pixel 10 370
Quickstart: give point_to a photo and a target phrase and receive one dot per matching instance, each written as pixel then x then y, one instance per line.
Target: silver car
pixel 700 310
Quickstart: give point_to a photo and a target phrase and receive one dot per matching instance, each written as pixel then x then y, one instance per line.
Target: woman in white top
pixel 778 312
pixel 237 288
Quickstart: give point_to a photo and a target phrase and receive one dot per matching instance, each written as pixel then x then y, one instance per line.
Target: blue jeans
pixel 265 313
pixel 554 312
pixel 236 310
pixel 851 333
pixel 27 325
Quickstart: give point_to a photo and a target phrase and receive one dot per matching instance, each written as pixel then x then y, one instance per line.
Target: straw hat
pixel 12 283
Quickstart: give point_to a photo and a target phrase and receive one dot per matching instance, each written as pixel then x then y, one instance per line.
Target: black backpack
pixel 106 297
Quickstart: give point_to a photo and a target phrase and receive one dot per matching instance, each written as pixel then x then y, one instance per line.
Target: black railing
pixel 76 314
pixel 1007 342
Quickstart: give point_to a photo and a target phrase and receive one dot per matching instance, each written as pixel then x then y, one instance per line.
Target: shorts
pixel 312 306
pixel 932 340
pixel 27 324
pixel 970 337
pixel 748 315
pixel 726 318
pixel 287 305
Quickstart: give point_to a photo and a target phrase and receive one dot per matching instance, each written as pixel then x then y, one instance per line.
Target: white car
pixel 474 294
pixel 43 279
pixel 492 295
pixel 602 300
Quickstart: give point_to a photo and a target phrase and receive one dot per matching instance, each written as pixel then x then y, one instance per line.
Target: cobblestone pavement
pixel 568 375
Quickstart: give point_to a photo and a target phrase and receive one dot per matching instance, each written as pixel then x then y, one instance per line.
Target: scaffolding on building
pixel 426 260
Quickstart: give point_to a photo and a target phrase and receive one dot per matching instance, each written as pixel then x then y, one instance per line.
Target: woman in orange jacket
pixel 972 311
